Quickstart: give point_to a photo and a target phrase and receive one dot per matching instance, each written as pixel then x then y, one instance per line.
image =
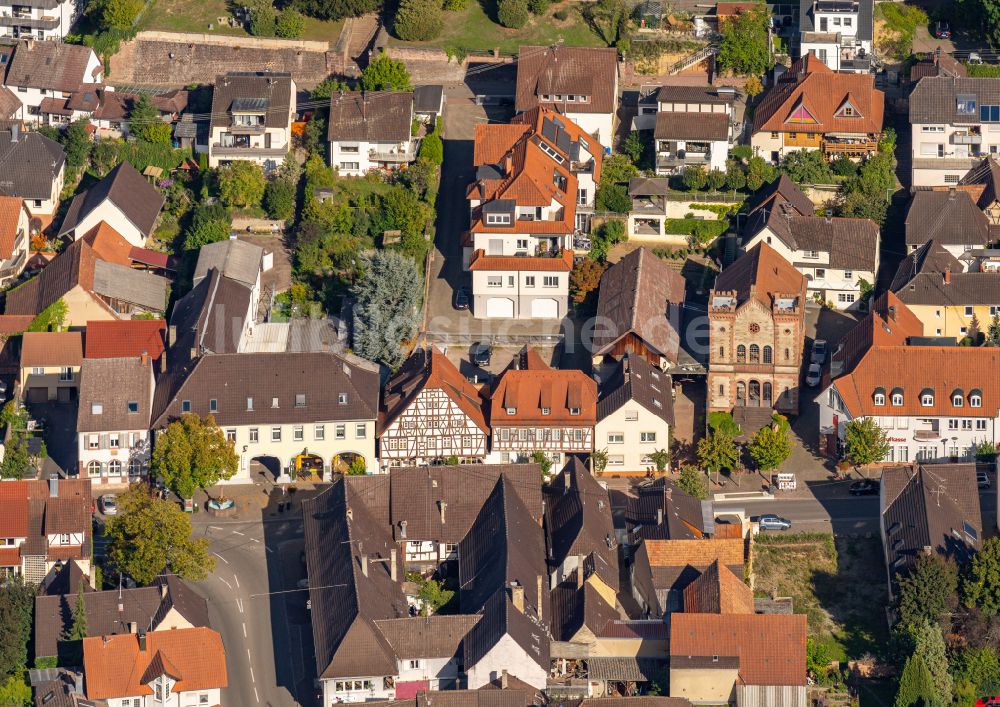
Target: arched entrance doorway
pixel 349 462
pixel 308 465
pixel 265 469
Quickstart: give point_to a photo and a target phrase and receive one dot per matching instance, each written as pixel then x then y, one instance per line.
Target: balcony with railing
pixel 849 148
pixel 13 268
pixel 392 154
pixel 46 22
pixel 973 136
pixel 247 150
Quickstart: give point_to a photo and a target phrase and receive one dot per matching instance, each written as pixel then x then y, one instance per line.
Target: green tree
pixel 544 463
pixel 241 184
pixel 770 446
pixel 613 197
pixel 604 236
pixel 617 169
pixel 290 24
pixel 609 20
pixel 327 87
pixel 736 178
pixel 418 20
pixel 149 535
pixel 357 467
pixel 994 331
pixel 974 333
pixel 78 628
pixel 753 86
pixel 694 177
pixel 929 645
pixel 145 123
pixel 599 460
pixel 692 481
pixel 78 143
pixel 432 149
pixel 387 307
pixel 716 179
pixel 538 7
pixel 986 19
pixel 981 580
pixel 16 462
pixel 384 73
pixel 15 692
pixel 978 667
pixel 744 48
pixel 916 686
pixel 119 14
pixel 584 280
pixel 723 422
pixel 634 146
pixel 844 167
pixel 807 167
pixel 433 595
pixel 279 199
pixel 660 459
pixel 262 18
pixel 928 591
pixel 759 173
pixel 17 601
pixel 513 14
pixel 867 194
pixel 717 451
pixel 210 223
pixel 193 453
pixel 865 442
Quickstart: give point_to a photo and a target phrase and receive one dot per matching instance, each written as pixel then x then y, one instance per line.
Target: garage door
pixel 544 309
pixel 499 307
pixel 38 395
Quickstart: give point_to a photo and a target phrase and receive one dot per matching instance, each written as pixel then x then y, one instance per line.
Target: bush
pixel 418 20
pixel 843 167
pixel 432 149
pixel 562 14
pixel 290 24
pixel 702 230
pixel 613 197
pixel 716 179
pixel 262 21
pixel 513 13
pixel 120 14
pixel 453 5
pixel 694 177
pixel 279 199
pixel 241 184
pixel 736 178
pixel 538 7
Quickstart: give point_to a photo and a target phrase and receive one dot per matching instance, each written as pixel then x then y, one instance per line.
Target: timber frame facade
pixel 432 427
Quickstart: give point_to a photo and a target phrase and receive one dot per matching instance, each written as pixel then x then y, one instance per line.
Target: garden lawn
pixel 197 15
pixel 475 29
pixel 838 584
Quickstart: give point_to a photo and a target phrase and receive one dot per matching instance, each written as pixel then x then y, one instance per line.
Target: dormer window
pixel 249 404
pixel 213 405
pixel 927 397
pixel 497 219
pixel 97 408
pixel 574 411
pixel 511 411
pixel 976 398
pixel 879 397
pixel 965 104
pixel 897 397
pixel 958 398
pixel 546 411
pixel 300 400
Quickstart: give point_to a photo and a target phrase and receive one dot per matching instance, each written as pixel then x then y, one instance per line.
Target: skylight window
pixel 965 104
pixel 989 114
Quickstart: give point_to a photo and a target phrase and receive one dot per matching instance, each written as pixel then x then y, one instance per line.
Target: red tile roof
pixel 718 591
pixel 15 323
pixel 11 208
pixel 535 386
pixel 481 261
pixel 109 244
pixel 10 557
pixel 127 338
pixel 115 667
pixel 14 509
pixel 51 348
pixel 810 86
pixel 771 648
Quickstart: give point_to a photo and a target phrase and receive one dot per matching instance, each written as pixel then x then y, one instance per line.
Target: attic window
pixel 274 402
pixel 300 400
pixel 965 104
pixel 185 406
pixel 96 408
pixel 927 398
pixel 976 398
pixel 989 114
pixel 250 404
pixel 342 398
pixel 213 405
pixel 574 411
pixel 958 398
pixel 879 399
pixel 133 406
pixel 897 397
pixel 546 411
pixel 551 152
pixel 511 411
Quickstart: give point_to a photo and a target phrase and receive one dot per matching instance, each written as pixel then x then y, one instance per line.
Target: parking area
pixel 57 421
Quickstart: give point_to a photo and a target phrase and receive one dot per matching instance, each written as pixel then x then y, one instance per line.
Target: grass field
pixel 475 29
pixel 838 584
pixel 197 15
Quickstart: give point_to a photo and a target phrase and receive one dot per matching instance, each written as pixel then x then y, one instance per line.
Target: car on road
pixel 982 480
pixel 865 487
pixel 769 521
pixel 108 504
pixel 480 353
pixel 462 298
pixel 813 375
pixel 819 352
pixel 942 30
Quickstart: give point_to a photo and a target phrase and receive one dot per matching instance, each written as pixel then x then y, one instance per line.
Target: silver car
pixel 813 375
pixel 109 506
pixel 773 522
pixel 818 352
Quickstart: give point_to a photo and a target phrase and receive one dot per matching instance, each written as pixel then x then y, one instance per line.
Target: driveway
pixel 442 322
pixel 58 421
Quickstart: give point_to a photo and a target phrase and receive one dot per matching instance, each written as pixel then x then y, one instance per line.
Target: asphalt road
pixel 254 603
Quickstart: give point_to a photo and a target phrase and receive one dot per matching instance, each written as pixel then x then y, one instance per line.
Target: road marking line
pixel 237 580
pixel 221 557
pixel 244 630
pixel 255 695
pixel 239 603
pixel 214 527
pixel 225 582
pixel 255 540
pixel 236 532
pixel 252 678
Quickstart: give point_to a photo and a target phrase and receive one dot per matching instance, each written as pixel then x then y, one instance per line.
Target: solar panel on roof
pixel 970 531
pixel 249 105
pixel 40 675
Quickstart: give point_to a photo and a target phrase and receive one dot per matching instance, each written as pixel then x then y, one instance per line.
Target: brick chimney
pixel 517 597
pixel 947 277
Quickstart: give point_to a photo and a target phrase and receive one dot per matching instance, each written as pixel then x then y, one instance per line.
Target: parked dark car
pixel 865 487
pixel 462 297
pixel 942 30
pixel 480 353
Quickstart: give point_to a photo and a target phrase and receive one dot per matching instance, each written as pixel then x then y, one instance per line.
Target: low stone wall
pixel 428 65
pixel 178 59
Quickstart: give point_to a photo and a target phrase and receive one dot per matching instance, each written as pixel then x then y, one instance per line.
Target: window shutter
pixel 104 441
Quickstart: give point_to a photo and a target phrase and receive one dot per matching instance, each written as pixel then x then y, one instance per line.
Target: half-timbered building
pixel 535 408
pixel 430 412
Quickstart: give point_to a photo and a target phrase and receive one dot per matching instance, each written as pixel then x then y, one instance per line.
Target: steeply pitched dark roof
pixel 948 217
pixel 124 187
pixel 921 279
pixel 761 273
pixel 29 164
pixel 271 90
pixel 115 383
pixel 233 379
pixel 212 315
pixel 112 612
pixel 665 511
pixel 428 98
pixel 935 506
pixel 581 71
pixel 679 125
pixel 781 191
pixel 575 608
pixel 74 266
pixel 638 295
pixel 376 117
pixel 50 65
pixel 851 242
pixel 578 522
pixel 695 94
pixel 636 379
